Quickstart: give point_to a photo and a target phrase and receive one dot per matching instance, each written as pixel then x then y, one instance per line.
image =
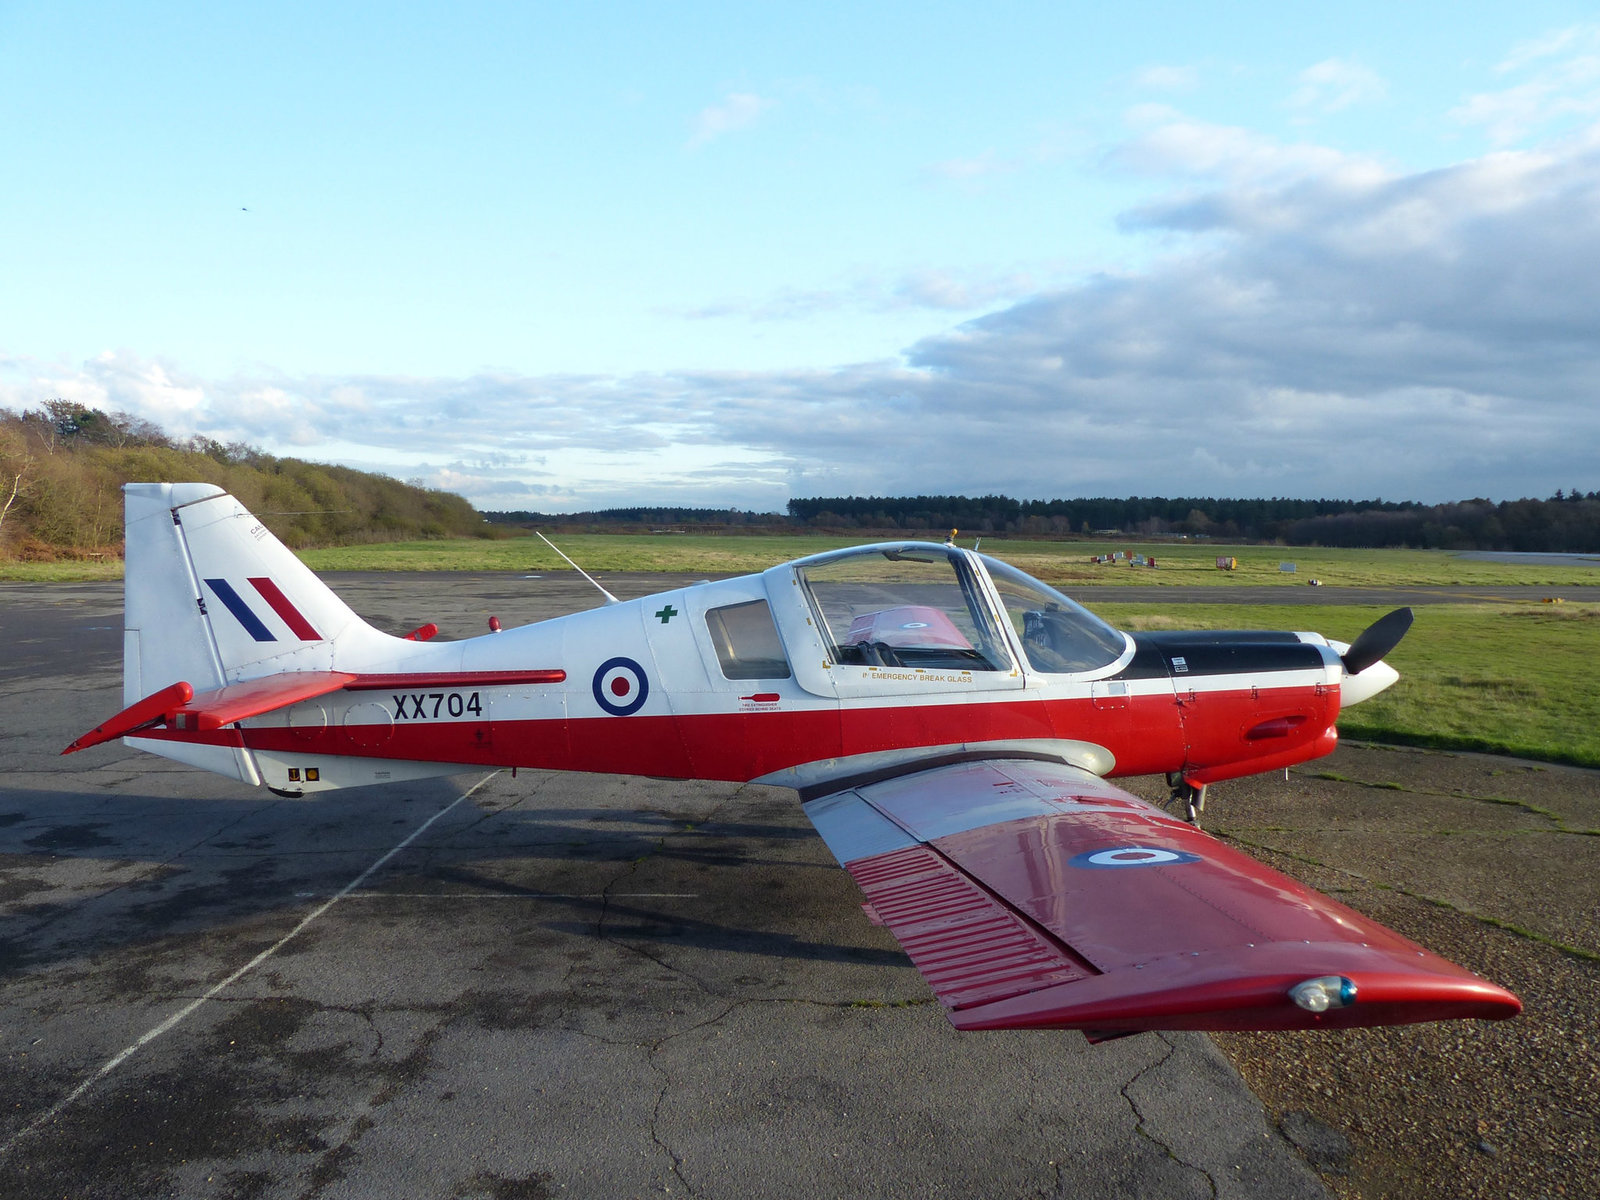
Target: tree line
pixel 62 466
pixel 1566 522
pixel 645 518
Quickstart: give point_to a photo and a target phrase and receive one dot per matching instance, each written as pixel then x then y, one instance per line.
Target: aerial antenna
pixel 610 599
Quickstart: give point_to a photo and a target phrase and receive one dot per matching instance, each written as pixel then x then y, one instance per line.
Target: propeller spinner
pixel 1376 640
pixel 1365 672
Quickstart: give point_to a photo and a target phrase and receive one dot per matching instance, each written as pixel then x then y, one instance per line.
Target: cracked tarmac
pixel 573 985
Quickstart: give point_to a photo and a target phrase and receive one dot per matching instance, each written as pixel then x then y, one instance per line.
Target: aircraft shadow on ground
pixel 158 866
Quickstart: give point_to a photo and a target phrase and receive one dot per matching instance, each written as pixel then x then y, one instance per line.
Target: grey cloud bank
pixel 1315 326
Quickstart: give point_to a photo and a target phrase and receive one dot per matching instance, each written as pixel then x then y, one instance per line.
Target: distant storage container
pixel 1227 563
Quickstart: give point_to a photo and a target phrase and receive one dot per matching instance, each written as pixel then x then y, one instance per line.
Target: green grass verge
pixel 1502 678
pixel 1063 563
pixel 87 571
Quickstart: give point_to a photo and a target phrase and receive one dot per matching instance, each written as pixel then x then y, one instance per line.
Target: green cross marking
pixel 667 613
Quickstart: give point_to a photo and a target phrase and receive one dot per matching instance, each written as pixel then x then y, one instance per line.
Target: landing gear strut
pixel 1193 796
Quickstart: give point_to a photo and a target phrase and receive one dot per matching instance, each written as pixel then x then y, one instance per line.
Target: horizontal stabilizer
pixel 152 710
pixel 179 706
pixel 240 701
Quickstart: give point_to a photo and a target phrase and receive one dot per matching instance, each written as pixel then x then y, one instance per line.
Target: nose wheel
pixel 1191 795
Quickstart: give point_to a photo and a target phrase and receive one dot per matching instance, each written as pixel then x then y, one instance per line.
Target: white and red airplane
pixel 948 721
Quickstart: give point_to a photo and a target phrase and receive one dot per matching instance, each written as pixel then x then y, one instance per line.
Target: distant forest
pixel 62 466
pixel 1567 522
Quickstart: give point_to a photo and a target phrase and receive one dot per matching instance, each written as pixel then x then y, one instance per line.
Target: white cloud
pixel 1563 87
pixel 1049 145
pixel 960 291
pixel 1161 78
pixel 952 290
pixel 1580 38
pixel 969 170
pixel 1167 143
pixel 739 110
pixel 1334 84
pixel 118 380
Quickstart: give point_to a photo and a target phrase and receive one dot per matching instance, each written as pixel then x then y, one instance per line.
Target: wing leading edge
pixel 1036 895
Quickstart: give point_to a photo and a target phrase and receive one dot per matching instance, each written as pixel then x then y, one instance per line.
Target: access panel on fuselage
pixel 1248 701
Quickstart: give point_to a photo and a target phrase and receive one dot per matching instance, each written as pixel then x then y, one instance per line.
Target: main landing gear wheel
pixel 1192 795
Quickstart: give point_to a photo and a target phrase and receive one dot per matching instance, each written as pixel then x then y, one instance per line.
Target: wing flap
pixel 1122 917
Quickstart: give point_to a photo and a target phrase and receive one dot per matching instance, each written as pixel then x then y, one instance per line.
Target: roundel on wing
pixel 620 686
pixel 1133 856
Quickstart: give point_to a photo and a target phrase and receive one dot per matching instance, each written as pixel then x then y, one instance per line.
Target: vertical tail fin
pixel 213 598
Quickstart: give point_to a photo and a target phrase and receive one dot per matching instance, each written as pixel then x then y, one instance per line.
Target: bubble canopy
pixel 930 606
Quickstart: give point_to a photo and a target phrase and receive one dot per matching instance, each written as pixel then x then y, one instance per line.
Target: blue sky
pixel 567 256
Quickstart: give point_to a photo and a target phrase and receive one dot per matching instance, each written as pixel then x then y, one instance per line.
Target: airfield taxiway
pixel 536 985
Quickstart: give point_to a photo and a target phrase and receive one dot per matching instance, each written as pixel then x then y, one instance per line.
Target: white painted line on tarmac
pixel 507 895
pixel 188 1010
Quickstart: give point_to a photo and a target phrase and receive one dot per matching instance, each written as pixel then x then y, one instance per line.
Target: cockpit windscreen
pixel 1058 635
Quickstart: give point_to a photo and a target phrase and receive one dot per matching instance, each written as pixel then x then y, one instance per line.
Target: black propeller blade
pixel 1376 640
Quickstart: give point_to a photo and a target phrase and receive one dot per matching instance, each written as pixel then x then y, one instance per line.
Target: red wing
pixel 1036 895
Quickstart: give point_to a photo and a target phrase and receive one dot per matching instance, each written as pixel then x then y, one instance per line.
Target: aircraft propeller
pixel 1376 640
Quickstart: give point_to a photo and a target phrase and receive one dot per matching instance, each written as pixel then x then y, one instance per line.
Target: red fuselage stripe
pixel 1146 737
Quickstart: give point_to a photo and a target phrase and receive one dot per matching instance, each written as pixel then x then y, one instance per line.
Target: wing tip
pixel 1226 996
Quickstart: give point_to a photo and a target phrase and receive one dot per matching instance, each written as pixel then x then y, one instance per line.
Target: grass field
pixel 1179 564
pixel 1508 679
pixel 1061 563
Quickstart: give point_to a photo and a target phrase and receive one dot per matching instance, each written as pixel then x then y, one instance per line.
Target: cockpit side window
pixel 1058 636
pixel 746 640
pixel 913 607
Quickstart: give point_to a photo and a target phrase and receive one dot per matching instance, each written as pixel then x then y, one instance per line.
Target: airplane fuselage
pixel 642 687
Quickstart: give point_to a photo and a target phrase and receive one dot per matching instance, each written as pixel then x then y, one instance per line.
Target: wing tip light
pixel 1384 993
